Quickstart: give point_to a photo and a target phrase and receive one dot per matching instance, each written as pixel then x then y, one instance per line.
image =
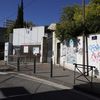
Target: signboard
pixel 26 49
pixel 35 50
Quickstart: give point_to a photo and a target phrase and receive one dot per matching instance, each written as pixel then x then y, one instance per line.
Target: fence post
pixel 18 64
pixel 51 71
pixel 35 64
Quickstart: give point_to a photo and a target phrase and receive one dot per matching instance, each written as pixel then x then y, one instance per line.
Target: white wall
pixel 26 36
pixel 94 52
pixel 54 48
pixel 6 52
pixel 70 54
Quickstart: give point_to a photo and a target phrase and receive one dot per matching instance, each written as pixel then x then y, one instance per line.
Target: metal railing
pixel 22 60
pixel 78 69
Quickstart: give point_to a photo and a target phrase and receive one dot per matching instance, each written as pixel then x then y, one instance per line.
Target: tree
pixel 68 26
pixel 20 16
pixel 93 17
pixel 28 24
pixel 71 24
pixel 67 14
pixel 19 22
pixel 95 1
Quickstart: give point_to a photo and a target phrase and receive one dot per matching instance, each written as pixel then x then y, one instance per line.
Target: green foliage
pixel 95 1
pixel 67 14
pixel 71 23
pixel 93 18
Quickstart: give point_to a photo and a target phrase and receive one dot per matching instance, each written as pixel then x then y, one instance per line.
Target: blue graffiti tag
pixel 94 47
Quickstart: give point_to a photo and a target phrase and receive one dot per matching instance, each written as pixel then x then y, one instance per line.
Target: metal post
pixel 91 76
pixel 18 64
pixel 51 71
pixel 87 55
pixel 83 53
pixel 35 64
pixel 75 74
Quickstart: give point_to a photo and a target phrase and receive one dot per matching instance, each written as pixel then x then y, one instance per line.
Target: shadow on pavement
pixel 14 91
pixel 52 95
pixel 93 89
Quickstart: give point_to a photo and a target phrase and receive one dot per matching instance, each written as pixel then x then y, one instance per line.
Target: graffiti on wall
pixel 71 55
pixel 80 51
pixel 95 52
pixel 79 48
pixel 64 50
pixel 71 52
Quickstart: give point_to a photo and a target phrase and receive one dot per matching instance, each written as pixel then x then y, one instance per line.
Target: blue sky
pixel 40 12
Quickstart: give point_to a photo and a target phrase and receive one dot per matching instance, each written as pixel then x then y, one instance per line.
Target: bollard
pixel 18 64
pixel 34 64
pixel 51 72
pixel 75 73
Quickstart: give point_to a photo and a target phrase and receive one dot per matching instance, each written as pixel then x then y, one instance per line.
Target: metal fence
pixel 78 77
pixel 15 61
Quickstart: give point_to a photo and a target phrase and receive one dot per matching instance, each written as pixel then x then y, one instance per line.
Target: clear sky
pixel 40 12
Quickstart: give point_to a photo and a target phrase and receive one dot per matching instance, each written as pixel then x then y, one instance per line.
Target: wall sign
pixel 26 49
pixel 35 50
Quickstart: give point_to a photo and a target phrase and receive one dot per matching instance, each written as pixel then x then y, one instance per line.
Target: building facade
pixel 71 51
pixel 30 42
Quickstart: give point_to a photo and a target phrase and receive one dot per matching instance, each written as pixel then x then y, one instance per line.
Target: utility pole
pixel 85 41
pixel 83 12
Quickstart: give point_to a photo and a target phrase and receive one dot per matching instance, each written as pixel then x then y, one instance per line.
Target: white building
pixel 71 51
pixel 28 36
pixel 29 41
pixel 55 45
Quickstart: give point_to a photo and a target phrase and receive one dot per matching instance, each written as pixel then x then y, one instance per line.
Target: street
pixel 15 86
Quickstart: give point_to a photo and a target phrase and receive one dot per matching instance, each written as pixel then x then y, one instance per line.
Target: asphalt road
pixel 20 86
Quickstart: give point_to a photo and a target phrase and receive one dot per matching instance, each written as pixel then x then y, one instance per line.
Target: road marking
pixel 28 77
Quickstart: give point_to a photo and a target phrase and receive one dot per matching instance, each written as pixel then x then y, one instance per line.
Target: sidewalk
pixel 61 76
pixel 64 77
